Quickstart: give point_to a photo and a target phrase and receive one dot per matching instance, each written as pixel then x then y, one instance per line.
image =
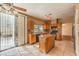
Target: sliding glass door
pixel 21 29
pixel 7 31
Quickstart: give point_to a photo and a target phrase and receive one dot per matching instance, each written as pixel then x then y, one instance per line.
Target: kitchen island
pixel 46 42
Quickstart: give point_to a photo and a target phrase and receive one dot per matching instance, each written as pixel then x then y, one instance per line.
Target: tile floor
pixel 62 48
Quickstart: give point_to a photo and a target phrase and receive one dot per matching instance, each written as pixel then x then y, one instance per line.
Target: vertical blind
pixel 7 25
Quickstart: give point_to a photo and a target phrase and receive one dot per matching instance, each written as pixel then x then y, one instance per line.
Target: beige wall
pixel 67 29
pixel 68 19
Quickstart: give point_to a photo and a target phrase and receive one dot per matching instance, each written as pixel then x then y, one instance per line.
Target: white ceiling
pixel 61 10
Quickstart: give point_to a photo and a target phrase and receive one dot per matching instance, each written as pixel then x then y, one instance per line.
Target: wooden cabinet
pixel 47 25
pixel 46 43
pixel 59 36
pixel 32 38
pixel 59 27
pixel 30 25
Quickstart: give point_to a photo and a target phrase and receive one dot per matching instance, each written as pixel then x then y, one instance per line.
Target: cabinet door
pixel 20 30
pixel 32 38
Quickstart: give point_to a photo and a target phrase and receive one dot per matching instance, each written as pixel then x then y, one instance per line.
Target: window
pixel 38 28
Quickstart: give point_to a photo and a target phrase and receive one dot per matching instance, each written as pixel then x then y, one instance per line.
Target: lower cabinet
pixel 32 38
pixel 59 36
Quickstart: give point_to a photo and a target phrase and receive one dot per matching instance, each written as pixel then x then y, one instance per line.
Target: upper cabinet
pixel 34 22
pixel 47 25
